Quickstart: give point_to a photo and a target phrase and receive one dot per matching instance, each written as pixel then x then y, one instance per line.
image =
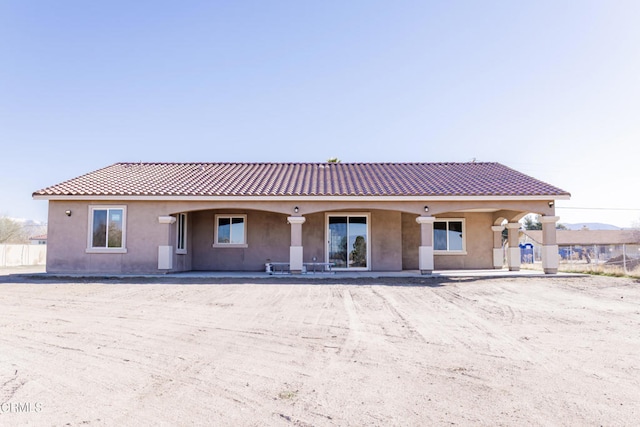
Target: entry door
pixel 348 240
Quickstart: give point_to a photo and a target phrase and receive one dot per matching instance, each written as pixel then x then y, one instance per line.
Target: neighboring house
pixel 590 245
pixel 171 217
pixel 38 240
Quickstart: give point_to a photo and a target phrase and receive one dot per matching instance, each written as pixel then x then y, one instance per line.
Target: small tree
pixel 333 160
pixel 532 222
pixel 11 231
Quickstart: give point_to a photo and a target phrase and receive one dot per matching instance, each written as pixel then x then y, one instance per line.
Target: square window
pixel 230 230
pixel 448 236
pixel 107 229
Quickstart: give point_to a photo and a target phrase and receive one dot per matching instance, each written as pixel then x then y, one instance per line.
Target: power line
pixel 598 209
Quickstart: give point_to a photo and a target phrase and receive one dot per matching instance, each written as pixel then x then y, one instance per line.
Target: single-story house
pixel 174 217
pixel 40 239
pixel 589 245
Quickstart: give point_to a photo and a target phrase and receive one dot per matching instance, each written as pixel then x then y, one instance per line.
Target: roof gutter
pixel 302 198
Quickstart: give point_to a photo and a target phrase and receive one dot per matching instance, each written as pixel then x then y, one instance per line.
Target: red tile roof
pixel 303 179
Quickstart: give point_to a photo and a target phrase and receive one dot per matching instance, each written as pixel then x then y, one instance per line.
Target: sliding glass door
pixel 348 239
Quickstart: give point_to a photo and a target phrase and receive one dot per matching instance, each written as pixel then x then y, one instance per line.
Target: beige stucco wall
pixel 67 239
pixel 313 237
pixel 410 241
pixel 478 240
pixel 268 238
pixel 386 242
pixel 182 261
pixel 393 242
pixel 479 244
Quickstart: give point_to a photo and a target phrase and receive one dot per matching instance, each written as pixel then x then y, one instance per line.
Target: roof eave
pixel 338 198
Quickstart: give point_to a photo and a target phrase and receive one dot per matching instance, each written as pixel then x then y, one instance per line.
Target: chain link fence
pixel 614 259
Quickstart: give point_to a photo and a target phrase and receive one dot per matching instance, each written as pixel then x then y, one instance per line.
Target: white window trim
pixel 229 245
pixel 326 238
pixel 464 237
pixel 179 250
pixel 90 249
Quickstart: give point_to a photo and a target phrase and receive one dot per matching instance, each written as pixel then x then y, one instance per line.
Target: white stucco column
pixel 549 244
pixel 425 251
pixel 498 256
pixel 165 252
pixel 295 250
pixel 513 254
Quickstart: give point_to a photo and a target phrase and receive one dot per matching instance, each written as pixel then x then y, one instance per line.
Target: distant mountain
pixel 31 227
pixel 591 226
pixel 28 222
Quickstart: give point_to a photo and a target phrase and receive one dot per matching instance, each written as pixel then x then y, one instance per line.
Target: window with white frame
pixel 449 235
pixel 181 233
pixel 230 230
pixel 107 229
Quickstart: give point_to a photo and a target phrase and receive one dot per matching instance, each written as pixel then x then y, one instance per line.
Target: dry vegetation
pixel 615 267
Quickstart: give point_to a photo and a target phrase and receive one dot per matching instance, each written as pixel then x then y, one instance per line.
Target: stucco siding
pixel 68 235
pixel 183 262
pixel 144 235
pixel 385 241
pixel 479 244
pixel 410 241
pixel 393 241
pixel 268 239
pixel 313 238
pixel 478 240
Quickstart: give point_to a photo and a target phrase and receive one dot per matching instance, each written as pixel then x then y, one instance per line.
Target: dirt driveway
pixel 516 351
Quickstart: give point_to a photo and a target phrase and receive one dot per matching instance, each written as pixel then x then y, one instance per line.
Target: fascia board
pixel 303 198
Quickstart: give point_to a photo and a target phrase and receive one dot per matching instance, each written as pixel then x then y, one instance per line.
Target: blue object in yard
pixel 526 253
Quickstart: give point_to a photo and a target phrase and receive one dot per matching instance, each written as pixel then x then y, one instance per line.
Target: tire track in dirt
pixel 394 309
pixel 497 324
pixel 487 334
pixel 354 335
pixel 9 388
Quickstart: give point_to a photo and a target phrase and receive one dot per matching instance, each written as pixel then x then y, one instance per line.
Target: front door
pixel 348 239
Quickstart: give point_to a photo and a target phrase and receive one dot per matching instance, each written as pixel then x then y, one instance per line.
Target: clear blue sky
pixel 550 88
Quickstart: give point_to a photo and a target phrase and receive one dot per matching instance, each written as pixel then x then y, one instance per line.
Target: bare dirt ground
pixel 514 351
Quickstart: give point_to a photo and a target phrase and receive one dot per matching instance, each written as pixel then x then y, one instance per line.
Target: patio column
pixel 165 252
pixel 513 255
pixel 549 244
pixel 425 252
pixel 498 256
pixel 295 250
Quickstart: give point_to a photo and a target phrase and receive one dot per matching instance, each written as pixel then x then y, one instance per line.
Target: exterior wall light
pixel 296 209
pixel 67 212
pixel 551 204
pixel 426 208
